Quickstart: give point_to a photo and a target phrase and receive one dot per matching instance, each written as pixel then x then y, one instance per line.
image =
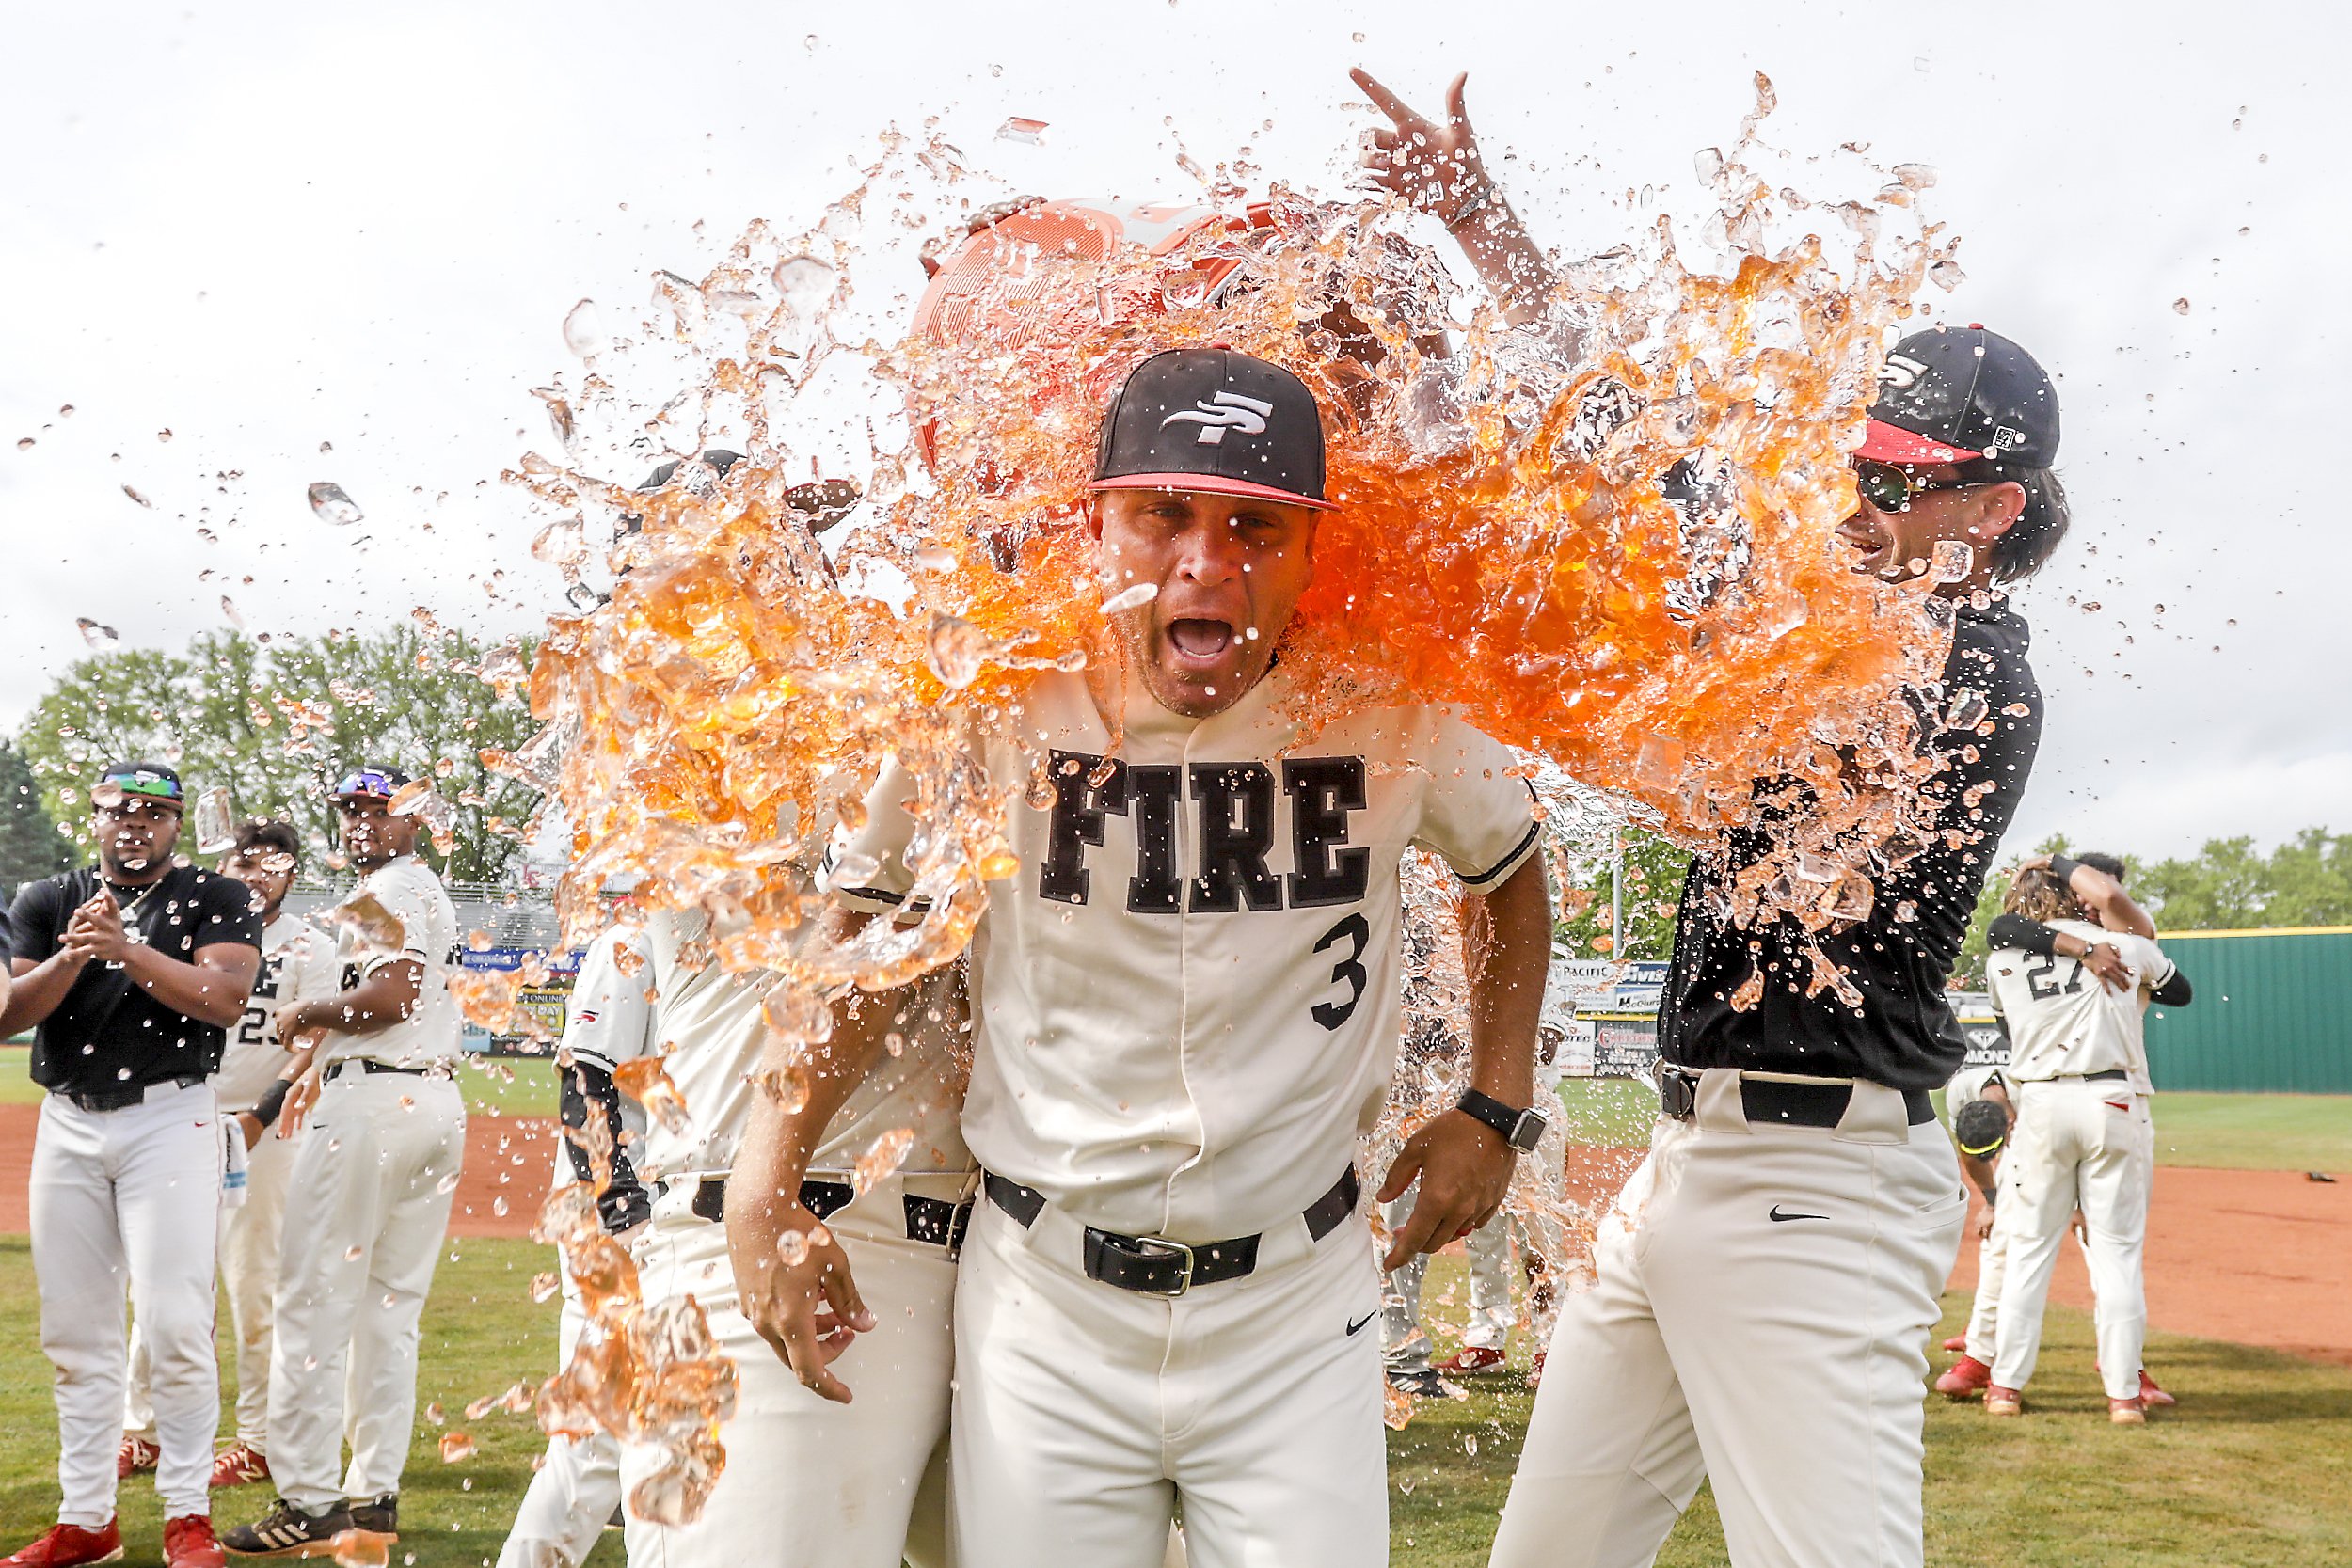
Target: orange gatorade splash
pixel 1605 534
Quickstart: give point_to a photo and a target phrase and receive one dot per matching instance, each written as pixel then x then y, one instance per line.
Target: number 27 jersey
pixel 1185 1001
pixel 2064 1020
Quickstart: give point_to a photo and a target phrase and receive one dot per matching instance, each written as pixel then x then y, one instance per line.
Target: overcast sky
pixel 271 228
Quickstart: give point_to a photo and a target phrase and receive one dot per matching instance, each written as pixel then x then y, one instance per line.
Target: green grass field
pixel 2255 1466
pixel 515 1088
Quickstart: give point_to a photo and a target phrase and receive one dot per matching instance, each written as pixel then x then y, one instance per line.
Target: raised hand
pixel 1435 166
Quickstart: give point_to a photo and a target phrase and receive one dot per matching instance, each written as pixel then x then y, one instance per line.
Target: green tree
pixel 31 845
pixel 277 723
pixel 2228 885
pixel 1654 870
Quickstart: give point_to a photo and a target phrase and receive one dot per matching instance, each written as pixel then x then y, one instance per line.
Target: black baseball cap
pixel 1213 419
pixel 1959 394
pixel 149 780
pixel 382 782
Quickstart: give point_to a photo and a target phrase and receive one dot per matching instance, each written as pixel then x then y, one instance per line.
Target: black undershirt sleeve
pixel 2174 992
pixel 626 1202
pixel 2015 930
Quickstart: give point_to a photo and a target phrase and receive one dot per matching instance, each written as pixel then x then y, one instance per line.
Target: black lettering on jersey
pixel 351 976
pixel 266 983
pixel 1079 810
pixel 1323 790
pixel 1236 801
pixel 1151 791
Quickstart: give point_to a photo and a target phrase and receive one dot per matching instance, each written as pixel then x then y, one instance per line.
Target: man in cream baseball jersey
pixel 370 1193
pixel 808 1483
pixel 2083 1137
pixel 256 1074
pixel 608 1021
pixel 1186 1009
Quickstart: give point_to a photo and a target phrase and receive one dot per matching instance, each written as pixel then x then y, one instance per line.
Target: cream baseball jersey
pixel 299 964
pixel 711 1032
pixel 414 896
pixel 1185 1001
pixel 2064 1020
pixel 609 1020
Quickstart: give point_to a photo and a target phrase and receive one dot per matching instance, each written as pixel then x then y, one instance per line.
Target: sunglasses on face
pixel 1886 488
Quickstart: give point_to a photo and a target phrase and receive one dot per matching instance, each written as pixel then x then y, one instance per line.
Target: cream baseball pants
pixel 249 1277
pixel 2086 1143
pixel 365 1215
pixel 1762 1303
pixel 809 1483
pixel 1086 1416
pixel 127 1203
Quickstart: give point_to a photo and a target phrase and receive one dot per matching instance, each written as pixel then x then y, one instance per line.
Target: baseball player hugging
pixel 2083 1135
pixel 370 1197
pixel 130 972
pixel 1185 1010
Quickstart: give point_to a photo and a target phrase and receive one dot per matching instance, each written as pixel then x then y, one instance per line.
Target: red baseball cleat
pixel 1968 1378
pixel 1957 1343
pixel 136 1454
pixel 2150 1396
pixel 69 1545
pixel 189 1543
pixel 238 1466
pixel 1471 1358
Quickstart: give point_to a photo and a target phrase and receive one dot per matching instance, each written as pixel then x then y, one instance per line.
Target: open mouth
pixel 1198 642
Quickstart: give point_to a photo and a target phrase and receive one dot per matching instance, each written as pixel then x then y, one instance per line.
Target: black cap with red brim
pixel 1217 420
pixel 1959 395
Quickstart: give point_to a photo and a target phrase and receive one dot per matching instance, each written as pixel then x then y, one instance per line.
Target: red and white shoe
pixel 2150 1396
pixel 68 1546
pixel 1967 1378
pixel 238 1466
pixel 2127 1413
pixel 136 1455
pixel 2003 1402
pixel 1471 1358
pixel 1957 1343
pixel 189 1543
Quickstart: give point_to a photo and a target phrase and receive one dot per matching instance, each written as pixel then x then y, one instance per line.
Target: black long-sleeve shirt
pixel 1903 1033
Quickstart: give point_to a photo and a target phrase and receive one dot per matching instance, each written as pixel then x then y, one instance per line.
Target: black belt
pixel 2112 1076
pixel 1772 1103
pixel 121 1096
pixel 369 1065
pixel 1155 1266
pixel 940 1222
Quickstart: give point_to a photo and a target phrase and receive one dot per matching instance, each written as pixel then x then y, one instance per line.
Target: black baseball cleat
pixel 1425 1383
pixel 285 1530
pixel 379 1516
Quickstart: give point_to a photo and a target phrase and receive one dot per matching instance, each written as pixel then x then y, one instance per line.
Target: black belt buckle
pixel 1148 1251
pixel 710 1199
pixel 1677 1093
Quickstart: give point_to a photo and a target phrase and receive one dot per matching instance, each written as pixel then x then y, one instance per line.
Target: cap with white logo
pixel 1955 395
pixel 1213 419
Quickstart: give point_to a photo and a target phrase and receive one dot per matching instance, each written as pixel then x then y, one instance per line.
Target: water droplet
pixel 457 1447
pixel 583 334
pixel 24 443
pixel 104 639
pixel 2179 305
pixel 65 410
pixel 1710 165
pixel 1946 275
pixel 809 44
pixel 332 505
pixel 1354 38
pixel 231 614
pixel 164 435
pixel 1131 598
pixel 137 497
pixel 353 1254
pixel 1017 129
pixel 214 820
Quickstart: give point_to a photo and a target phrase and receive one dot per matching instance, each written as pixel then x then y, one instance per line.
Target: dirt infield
pixel 507 1158
pixel 2260 1258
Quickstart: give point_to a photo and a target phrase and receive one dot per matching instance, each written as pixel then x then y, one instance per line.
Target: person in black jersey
pixel 130 972
pixel 1767 1281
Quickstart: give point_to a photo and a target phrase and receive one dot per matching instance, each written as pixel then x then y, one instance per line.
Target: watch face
pixel 1528 1131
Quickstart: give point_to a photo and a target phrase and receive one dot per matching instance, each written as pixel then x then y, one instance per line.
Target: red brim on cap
pixel 1213 484
pixel 1887 443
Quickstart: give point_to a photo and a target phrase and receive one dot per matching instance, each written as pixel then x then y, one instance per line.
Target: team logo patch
pixel 1225 411
pixel 1900 371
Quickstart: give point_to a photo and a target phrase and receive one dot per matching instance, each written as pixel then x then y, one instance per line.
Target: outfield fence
pixel 2269 1016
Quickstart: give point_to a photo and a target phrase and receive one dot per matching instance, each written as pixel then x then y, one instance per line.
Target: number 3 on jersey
pixel 1357 933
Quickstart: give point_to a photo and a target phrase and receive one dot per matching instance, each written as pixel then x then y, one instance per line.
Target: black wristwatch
pixel 1521 1130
